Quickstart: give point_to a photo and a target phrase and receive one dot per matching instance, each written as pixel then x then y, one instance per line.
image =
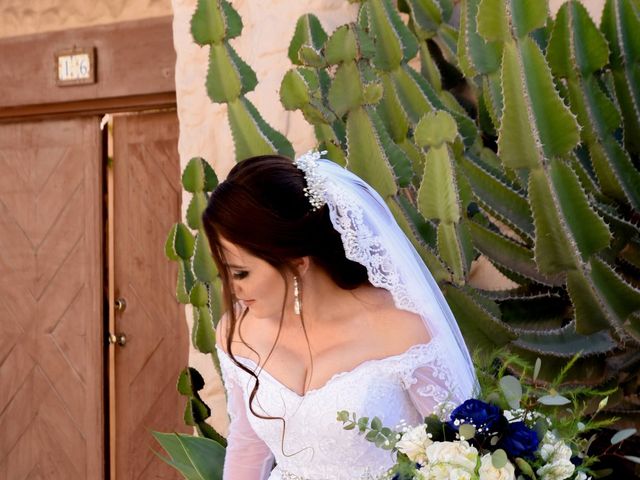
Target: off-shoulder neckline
pixel 345 373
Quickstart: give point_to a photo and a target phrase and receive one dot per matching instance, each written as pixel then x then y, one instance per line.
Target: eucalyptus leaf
pixel 623 435
pixel 512 390
pixel 553 400
pixel 467 431
pixel 536 369
pixel 499 458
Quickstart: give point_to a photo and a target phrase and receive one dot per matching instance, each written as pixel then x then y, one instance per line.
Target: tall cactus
pixel 539 173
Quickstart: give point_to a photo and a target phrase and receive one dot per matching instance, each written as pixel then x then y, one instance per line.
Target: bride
pixel 329 308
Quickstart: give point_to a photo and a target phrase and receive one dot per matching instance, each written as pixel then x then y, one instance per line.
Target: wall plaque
pixel 75 66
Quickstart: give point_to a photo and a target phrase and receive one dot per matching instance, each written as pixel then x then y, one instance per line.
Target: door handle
pixel 117 339
pixel 120 304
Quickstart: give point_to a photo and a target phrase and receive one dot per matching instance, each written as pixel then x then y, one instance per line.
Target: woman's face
pixel 255 282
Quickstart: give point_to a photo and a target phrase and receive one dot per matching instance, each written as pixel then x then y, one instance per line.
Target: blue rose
pixel 485 417
pixel 519 440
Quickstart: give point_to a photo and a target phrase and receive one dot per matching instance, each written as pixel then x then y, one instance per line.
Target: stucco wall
pixel 23 17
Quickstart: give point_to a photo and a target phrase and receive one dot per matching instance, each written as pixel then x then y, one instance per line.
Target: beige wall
pixel 23 17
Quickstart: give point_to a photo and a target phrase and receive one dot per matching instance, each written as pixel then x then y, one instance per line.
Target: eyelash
pixel 240 275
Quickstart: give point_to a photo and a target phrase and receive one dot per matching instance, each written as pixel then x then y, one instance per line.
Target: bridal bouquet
pixel 534 436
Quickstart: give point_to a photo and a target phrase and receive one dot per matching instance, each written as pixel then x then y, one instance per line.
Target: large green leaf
pixel 346 92
pixel 196 458
pixel 482 331
pixel 438 195
pixel 476 56
pixel 620 25
pixel 203 265
pixel 228 76
pixel 576 42
pixel 565 342
pixel 394 41
pixel 251 134
pixel 308 31
pixel 554 247
pixel 366 157
pixel 499 197
pixel 587 228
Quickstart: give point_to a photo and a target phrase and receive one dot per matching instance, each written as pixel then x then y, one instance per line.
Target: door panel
pixel 51 318
pixel 147 202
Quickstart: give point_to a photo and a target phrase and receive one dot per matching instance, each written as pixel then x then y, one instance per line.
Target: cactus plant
pixel 532 164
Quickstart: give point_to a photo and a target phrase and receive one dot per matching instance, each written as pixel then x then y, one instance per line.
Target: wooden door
pixel 147 200
pixel 51 301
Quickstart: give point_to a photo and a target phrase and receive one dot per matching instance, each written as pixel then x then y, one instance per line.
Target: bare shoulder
pixel 396 326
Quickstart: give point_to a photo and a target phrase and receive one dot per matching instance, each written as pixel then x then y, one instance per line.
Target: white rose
pixel 582 476
pixel 456 454
pixel 556 471
pixel 414 443
pixel 489 472
pixel 443 471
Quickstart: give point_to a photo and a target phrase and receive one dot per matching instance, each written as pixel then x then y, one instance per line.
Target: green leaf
pixel 184 281
pixel 203 265
pixel 467 431
pixel 366 157
pixel 394 42
pixel 183 242
pixel 308 31
pixel 451 249
pixel 169 249
pixel 536 369
pixel 193 175
pixel 436 128
pixel 554 246
pixel 476 56
pixel 207 23
pixel 499 458
pixel 252 135
pixel 623 435
pixel 493 23
pixel 621 297
pixel 197 458
pixel 346 93
pixel 502 199
pixel 376 423
pixel 196 207
pixel 190 381
pixel 438 195
pixel 576 42
pixel 228 76
pixel 480 329
pixel 524 466
pixel 587 228
pixel 199 297
pixel 204 334
pixel 554 400
pixel 528 15
pixel 512 390
pixel 341 46
pixel 210 177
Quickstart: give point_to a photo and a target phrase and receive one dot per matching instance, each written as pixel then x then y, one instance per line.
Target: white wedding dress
pixel 316 447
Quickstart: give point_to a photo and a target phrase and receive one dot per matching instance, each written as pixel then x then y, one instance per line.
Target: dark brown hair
pixel 261 207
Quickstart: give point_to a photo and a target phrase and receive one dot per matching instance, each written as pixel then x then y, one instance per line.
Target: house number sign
pixel 75 66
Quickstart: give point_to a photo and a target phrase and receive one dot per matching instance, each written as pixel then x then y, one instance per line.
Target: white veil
pixel 371 236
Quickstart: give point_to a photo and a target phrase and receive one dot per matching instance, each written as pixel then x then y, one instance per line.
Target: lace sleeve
pixel 429 383
pixel 247 456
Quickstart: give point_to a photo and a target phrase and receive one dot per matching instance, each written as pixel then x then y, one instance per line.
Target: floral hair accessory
pixel 315 189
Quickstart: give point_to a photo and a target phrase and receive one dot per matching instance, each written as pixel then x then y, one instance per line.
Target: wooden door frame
pixel 135 71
